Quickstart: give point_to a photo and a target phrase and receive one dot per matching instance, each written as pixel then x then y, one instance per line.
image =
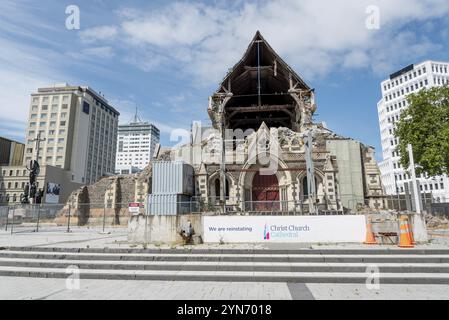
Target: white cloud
pixel 102 33
pixel 314 36
pixel 99 52
pixel 22 72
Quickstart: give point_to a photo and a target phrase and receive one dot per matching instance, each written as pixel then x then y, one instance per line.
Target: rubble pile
pixel 437 222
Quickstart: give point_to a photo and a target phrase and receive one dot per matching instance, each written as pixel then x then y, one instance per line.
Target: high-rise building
pixel 78 129
pixel 135 147
pixel 11 152
pixel 395 90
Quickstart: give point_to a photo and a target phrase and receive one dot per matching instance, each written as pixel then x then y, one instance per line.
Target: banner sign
pixel 134 207
pixel 52 192
pixel 305 229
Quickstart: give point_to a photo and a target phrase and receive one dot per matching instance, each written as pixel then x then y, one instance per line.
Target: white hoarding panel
pixel 311 229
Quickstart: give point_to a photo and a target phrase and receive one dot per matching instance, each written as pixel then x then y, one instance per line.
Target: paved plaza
pixel 49 289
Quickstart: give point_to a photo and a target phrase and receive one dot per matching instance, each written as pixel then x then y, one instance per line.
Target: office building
pixel 136 144
pixel 78 132
pixel 395 90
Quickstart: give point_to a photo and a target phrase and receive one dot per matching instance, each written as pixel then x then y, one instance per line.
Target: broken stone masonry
pixel 87 205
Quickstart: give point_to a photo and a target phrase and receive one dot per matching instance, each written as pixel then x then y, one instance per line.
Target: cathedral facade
pixel 275 157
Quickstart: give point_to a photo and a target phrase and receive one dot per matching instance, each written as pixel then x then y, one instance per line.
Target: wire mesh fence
pixel 56 217
pixel 25 218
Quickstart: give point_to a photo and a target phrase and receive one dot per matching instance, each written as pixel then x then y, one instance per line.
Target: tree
pixel 425 125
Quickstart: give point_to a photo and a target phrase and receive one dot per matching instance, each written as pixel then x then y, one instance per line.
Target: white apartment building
pixel 135 147
pixel 80 131
pixel 394 93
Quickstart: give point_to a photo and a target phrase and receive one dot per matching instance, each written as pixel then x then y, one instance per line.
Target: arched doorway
pixel 265 193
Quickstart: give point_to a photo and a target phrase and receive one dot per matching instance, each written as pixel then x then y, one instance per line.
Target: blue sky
pixel 168 57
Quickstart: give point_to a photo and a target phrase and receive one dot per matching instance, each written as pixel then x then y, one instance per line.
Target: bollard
pixel 7 219
pixel 104 217
pixel 38 217
pixel 13 213
pixel 68 221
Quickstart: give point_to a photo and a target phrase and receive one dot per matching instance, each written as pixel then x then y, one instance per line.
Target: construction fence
pixel 55 217
pixel 24 218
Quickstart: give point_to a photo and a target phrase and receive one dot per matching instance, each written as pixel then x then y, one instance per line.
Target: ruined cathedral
pixel 262 116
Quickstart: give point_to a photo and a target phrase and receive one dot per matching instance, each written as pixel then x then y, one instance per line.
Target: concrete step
pixel 333 258
pixel 241 276
pixel 226 266
pixel 314 251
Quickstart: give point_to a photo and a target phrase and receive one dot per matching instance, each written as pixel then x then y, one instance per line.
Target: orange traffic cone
pixel 405 237
pixel 370 239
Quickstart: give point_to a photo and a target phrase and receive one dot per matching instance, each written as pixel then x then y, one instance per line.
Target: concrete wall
pixel 350 173
pixel 150 229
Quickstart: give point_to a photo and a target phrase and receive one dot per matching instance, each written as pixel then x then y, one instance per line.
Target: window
pixel 86 107
pixel 62 123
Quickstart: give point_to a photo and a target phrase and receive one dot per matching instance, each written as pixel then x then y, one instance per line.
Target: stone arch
pixel 230 185
pixel 284 143
pixel 249 170
pixel 319 180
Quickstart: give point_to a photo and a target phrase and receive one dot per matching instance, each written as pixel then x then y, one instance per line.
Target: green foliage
pixel 425 125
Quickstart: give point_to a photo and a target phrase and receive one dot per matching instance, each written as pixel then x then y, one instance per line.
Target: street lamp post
pixel 416 195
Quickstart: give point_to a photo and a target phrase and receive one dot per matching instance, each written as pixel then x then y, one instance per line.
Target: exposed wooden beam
pixel 264 119
pixel 261 108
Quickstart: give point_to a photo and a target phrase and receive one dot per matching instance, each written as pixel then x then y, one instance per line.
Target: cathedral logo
pixel 266 233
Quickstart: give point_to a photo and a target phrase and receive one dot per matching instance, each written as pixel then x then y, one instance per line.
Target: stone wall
pixel 108 197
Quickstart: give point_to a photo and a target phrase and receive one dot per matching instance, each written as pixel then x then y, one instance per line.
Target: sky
pixel 167 57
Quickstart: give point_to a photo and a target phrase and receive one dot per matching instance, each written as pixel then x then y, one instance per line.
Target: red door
pixel 265 193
